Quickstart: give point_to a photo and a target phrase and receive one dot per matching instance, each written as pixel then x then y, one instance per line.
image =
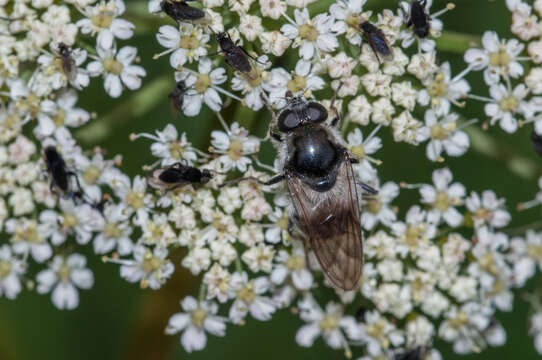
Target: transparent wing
pixel 331 221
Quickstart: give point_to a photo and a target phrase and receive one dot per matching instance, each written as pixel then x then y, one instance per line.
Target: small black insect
pixel 176 96
pixel 418 18
pixel 67 61
pixel 377 40
pixel 180 11
pixel 417 353
pixel 60 175
pixel 178 175
pixel 236 56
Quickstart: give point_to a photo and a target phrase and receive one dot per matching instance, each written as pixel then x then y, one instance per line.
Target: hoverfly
pixel 180 11
pixel 377 40
pixel 537 143
pixel 60 175
pixel 177 175
pixel 317 169
pixel 418 18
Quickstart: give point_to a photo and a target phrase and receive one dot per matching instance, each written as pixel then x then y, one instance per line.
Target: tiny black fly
pixel 61 175
pixel 176 96
pixel 180 11
pixel 178 175
pixel 67 62
pixel 377 40
pixel 236 56
pixel 418 18
pixel 537 143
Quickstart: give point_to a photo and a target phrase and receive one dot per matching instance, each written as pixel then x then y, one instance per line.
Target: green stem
pixel 140 103
pixel 519 165
pixel 455 42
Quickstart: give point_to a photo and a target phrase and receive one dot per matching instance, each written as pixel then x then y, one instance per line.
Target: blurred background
pixel 117 320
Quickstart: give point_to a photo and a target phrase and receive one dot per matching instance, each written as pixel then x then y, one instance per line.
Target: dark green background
pixel 116 320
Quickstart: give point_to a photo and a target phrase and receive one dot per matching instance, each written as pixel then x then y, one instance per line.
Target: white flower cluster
pixel 441 269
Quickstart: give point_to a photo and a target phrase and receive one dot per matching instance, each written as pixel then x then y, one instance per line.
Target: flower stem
pixel 519 165
pixel 455 42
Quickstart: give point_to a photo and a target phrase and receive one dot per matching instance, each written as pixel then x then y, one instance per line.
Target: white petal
pixel 307 334
pixel 193 339
pixel 65 296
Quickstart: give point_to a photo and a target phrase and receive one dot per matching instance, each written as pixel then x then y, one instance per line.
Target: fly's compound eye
pixel 316 112
pixel 288 120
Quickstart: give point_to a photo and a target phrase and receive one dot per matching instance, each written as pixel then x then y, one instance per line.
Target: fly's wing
pixel 380 45
pixel 239 60
pixel 156 182
pixel 331 222
pixel 69 68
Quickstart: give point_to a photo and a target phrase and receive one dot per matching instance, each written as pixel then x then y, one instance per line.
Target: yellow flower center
pixel 91 174
pixel 442 201
pixel 235 151
pixel 438 132
pixel 112 231
pixel 29 234
pixel 56 66
pixel 283 222
pixel 509 104
pixel 64 273
pixel 352 20
pixel 377 331
pixel 254 77
pixel 460 320
pixel 198 317
pixel 5 268
pixel 176 149
pixel 438 88
pixel 103 19
pixel 30 104
pixel 59 118
pixel 374 206
pixel 11 121
pixel 189 41
pixel 246 294
pixel 150 263
pixel 487 263
pixel 482 214
pixel 203 83
pixel 297 83
pixel 295 262
pixel 329 323
pixel 534 251
pixel 69 221
pixel 500 58
pixel 359 151
pixel 112 66
pixel 413 234
pixel 308 32
pixel 135 199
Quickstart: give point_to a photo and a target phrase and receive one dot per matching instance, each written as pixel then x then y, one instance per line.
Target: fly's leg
pixel 274 119
pixel 338 119
pixel 272 181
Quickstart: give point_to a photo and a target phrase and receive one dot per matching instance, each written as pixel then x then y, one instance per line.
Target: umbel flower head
pixel 440 261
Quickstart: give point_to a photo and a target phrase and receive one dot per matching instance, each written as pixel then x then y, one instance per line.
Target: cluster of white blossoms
pixel 441 269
